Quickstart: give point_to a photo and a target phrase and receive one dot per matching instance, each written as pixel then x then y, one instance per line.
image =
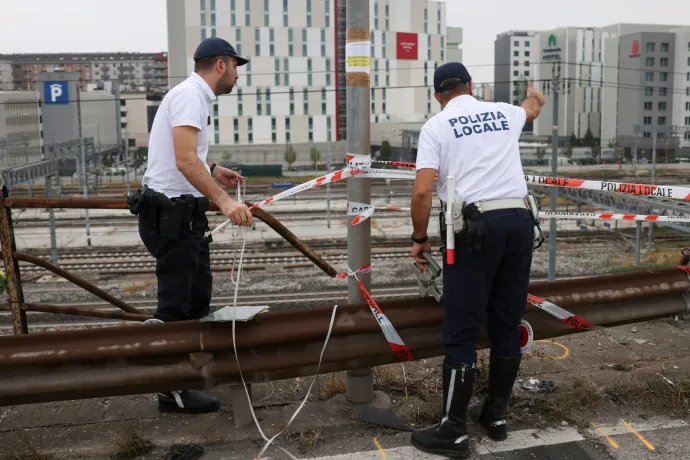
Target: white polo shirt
pixel 477 142
pixel 187 104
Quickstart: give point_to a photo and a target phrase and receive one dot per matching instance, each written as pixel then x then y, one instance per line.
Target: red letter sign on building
pixel 407 45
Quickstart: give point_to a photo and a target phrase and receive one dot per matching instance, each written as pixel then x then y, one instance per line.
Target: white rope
pixel 244 384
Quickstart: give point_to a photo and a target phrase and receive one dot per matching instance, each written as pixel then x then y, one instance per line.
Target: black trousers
pixel 183 267
pixel 488 289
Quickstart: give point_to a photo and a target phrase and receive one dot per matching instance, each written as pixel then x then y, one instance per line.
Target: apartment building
pixel 514 56
pixel 135 71
pixel 293 90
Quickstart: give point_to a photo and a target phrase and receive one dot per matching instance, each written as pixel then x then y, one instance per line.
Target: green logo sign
pixel 552 40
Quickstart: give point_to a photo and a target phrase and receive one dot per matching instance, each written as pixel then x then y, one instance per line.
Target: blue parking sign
pixel 56 92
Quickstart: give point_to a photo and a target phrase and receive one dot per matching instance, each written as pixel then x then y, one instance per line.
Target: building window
pixel 687 122
pixel 328 128
pixel 661 121
pixel 651 47
pixel 687 91
pixel 238 41
pixel 663 76
pixel 516 43
pixel 383 45
pixel 428 53
pixel 309 74
pixel 271 42
pixel 292 101
pixel 259 106
pixel 268 101
pixel 308 13
pixel 663 92
pixel 287 130
pixel 687 106
pixel 323 102
pixel 373 101
pixel 247 9
pixel 372 54
pixel 273 129
pixel 526 53
pixel 376 73
pixel 304 42
pixel 323 42
pixel 290 43
pixel 388 16
pixel 428 101
pixel 426 75
pixel 662 106
pixel 665 47
pixel 527 43
pixel 311 129
pixel 266 10
pixel 388 73
pixel 648 106
pixel 689 62
pixel 649 76
pixel 516 63
pixel 328 71
pixel 286 69
pixel 383 101
pixel 516 53
pixel 232 14
pixel 277 71
pixel 251 130
pixel 443 48
pixel 688 76
pixel 526 73
pixel 648 91
pixel 438 18
pixel 236 130
pixel 526 63
pixel 426 18
pixel 203 33
pixel 305 95
pixel 516 73
pixel 663 62
pixel 257 40
pixel 328 13
pixel 647 121
pixel 240 108
pixel 649 62
pixel 216 127
pixel 376 14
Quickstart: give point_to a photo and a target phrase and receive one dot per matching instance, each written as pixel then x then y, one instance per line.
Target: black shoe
pixel 492 412
pixel 449 437
pixel 187 402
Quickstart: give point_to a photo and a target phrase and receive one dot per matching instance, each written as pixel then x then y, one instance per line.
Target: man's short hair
pixel 453 85
pixel 206 64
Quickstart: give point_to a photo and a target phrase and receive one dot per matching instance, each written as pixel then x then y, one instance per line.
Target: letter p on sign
pixel 55 92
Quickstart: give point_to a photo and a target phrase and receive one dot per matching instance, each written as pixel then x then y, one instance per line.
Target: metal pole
pixel 638 238
pixel 634 158
pixel 51 219
pixel 328 186
pixel 360 382
pixel 127 161
pixel 554 172
pixel 650 231
pixel 82 153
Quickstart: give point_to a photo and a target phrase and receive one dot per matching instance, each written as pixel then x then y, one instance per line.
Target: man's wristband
pixel 213 166
pixel 422 240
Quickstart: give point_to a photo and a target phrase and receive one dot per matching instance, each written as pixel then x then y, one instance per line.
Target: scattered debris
pixel 633 330
pixel 640 341
pixel 539 386
pixel 564 423
pixel 622 367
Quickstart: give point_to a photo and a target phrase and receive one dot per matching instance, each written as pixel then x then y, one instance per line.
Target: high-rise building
pixel 293 89
pixel 513 64
pixel 21 137
pixel 133 70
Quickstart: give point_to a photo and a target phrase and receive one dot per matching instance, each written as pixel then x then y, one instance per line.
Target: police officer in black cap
pixel 178 185
pixel 486 284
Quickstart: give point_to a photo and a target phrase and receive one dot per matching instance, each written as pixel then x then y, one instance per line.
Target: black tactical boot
pixel 492 412
pixel 449 437
pixel 187 402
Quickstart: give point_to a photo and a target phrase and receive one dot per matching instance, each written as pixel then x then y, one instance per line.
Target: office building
pixel 454 44
pixel 6 77
pixel 293 90
pixel 21 138
pixel 513 64
pixel 135 71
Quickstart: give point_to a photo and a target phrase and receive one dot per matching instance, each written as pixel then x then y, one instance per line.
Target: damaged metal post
pixel 12 275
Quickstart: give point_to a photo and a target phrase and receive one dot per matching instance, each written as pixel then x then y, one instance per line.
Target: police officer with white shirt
pixel 486 285
pixel 178 185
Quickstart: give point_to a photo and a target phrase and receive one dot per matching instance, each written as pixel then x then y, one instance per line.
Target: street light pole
pixel 556 82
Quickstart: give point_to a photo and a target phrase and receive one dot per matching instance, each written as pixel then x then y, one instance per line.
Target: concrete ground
pixel 587 366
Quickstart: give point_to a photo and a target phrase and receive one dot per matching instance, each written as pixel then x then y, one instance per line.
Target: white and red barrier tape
pixel 611 216
pixel 663 191
pixel 558 312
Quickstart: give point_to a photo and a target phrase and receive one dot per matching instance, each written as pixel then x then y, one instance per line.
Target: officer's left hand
pixel 418 250
pixel 226 176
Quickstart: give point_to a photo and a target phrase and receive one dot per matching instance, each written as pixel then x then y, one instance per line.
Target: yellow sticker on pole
pixel 357 57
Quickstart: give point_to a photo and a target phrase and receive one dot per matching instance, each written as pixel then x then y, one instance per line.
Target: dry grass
pixel 23 450
pixel 331 386
pixel 306 439
pixel 131 445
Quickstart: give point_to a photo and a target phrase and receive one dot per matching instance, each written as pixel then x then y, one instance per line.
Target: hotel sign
pixel 553 52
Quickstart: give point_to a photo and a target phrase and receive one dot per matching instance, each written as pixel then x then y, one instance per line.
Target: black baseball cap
pixel 450 70
pixel 216 46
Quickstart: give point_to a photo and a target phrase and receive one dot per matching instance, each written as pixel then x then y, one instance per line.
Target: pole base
pixel 359 386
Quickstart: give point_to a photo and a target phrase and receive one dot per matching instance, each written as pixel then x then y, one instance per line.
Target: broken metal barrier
pixel 65 365
pixel 11 259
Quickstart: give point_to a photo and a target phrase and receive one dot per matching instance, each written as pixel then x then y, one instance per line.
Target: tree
pixel 315 156
pixel 386 152
pixel 568 152
pixel 290 156
pixel 521 89
pixel 572 141
pixel 588 140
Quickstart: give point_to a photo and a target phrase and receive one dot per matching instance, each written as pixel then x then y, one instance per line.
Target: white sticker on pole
pixel 357 57
pixel 355 209
pixel 361 162
pixel 526 336
pixel 363 216
pixel 389 174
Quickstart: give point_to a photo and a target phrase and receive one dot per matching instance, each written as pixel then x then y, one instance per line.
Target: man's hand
pixel 226 176
pixel 418 250
pixel 238 213
pixel 532 92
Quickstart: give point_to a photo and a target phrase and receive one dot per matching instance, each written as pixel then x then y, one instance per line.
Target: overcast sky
pixel 52 26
